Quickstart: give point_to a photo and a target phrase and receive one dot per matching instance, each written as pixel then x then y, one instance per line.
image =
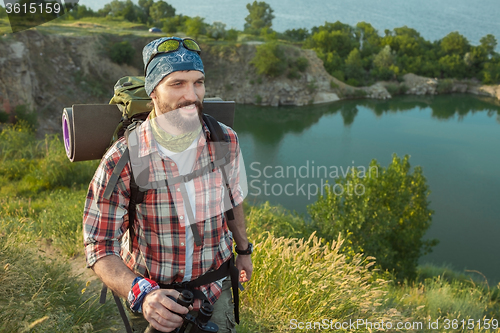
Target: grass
pixel 38 294
pixel 296 274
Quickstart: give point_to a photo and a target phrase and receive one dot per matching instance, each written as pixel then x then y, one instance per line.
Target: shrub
pixel 269 60
pixel 301 63
pixel 122 53
pixel 444 86
pixel 231 35
pixel 382 212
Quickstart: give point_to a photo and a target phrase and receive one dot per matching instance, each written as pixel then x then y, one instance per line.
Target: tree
pixel 269 59
pixel 381 212
pixel 296 35
pixel 126 9
pixel 488 44
pixel 455 43
pixel 354 67
pixel 146 5
pixel 160 10
pixel 260 16
pixel 195 26
pixel 217 30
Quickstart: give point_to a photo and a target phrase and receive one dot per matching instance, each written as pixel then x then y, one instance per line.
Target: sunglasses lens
pixel 191 45
pixel 168 45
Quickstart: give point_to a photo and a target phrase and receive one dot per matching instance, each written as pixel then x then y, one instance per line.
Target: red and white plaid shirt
pixel 159 250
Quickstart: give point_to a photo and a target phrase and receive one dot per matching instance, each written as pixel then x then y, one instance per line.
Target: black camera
pixel 199 324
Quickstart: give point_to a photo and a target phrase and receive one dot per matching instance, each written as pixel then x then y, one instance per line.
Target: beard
pixel 176 118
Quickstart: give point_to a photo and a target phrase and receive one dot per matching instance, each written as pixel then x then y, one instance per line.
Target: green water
pixel 455 138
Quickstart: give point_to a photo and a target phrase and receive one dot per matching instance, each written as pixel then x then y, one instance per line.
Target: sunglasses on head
pixel 172 45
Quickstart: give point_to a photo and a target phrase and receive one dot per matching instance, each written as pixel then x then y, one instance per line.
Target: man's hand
pixel 244 265
pixel 161 311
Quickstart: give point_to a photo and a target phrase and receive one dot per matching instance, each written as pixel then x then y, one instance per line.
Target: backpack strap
pixel 217 136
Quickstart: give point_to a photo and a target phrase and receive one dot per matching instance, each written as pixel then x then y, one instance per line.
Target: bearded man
pixel 181 236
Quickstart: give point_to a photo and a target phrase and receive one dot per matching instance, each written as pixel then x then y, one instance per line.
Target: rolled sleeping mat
pixel 88 128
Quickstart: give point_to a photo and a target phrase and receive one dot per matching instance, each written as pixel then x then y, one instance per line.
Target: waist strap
pixel 226 269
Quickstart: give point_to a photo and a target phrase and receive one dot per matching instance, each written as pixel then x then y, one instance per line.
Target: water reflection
pixel 269 125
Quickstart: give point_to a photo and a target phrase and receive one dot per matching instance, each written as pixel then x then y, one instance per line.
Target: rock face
pixel 419 85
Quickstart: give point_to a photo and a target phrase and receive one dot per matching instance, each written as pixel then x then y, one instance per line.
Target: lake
pixel 454 138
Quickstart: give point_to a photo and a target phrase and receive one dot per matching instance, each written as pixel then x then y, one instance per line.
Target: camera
pixel 199 324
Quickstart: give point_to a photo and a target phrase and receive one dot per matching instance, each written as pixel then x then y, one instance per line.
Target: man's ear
pixel 153 95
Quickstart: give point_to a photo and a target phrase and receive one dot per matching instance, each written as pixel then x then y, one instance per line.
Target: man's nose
pixel 190 93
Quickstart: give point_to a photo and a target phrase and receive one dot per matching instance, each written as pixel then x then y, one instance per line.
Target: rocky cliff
pixel 47 72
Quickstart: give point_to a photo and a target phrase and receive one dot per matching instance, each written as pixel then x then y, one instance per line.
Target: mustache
pixel 198 104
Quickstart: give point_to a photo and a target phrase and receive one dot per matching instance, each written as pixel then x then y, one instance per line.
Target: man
pixel 181 233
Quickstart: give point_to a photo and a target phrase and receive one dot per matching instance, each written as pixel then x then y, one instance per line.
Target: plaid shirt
pixel 159 250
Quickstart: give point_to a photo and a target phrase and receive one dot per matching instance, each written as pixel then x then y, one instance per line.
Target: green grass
pixel 38 294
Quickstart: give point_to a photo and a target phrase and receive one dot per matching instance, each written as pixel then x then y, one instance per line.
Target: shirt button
pixel 182 271
pixel 172 164
pixel 178 190
pixel 181 217
pixel 182 244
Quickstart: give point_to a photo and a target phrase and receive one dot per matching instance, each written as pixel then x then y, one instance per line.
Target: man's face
pixel 178 99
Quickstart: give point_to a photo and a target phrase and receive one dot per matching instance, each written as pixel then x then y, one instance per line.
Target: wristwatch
pixel 248 251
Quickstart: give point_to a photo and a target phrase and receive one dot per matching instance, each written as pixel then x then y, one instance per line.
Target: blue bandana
pixel 166 63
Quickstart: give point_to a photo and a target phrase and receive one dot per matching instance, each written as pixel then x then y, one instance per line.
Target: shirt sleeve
pixel 106 220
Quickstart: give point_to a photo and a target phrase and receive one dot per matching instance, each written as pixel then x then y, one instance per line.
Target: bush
pixel 231 35
pixel 301 63
pixel 382 212
pixel 122 53
pixel 269 60
pixel 444 86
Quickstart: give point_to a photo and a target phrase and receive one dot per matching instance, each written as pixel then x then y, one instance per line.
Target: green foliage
pixel 258 99
pixel 296 35
pixel 173 24
pixel 269 60
pixel 382 212
pixel 400 51
pixel 160 10
pixel 452 66
pixel 488 44
pixel 231 35
pixel 455 44
pixel 195 26
pixel 260 16
pixel 28 166
pixel 444 86
pixel 125 9
pixel 354 68
pixel 491 72
pixel 30 117
pixel 122 53
pixel 217 30
pixel 301 63
pixel 80 11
